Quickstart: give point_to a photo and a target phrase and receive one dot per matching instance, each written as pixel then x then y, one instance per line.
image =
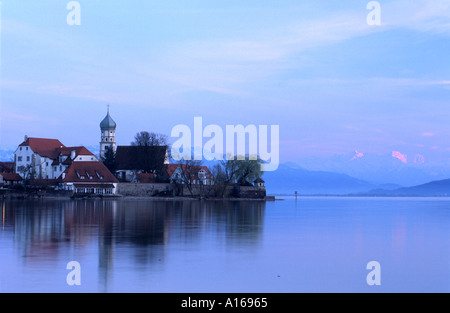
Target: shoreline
pixel 64 195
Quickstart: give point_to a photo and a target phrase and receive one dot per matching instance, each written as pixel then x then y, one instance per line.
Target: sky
pixel 333 83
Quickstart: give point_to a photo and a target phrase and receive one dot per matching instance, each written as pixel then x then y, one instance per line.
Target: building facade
pixel 42 158
pixel 89 177
pixel 70 168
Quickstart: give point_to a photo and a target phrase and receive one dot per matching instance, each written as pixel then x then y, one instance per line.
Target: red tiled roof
pixel 93 172
pixel 171 168
pixel 44 147
pixel 6 167
pixel 94 186
pixel 11 176
pixel 67 161
pixel 78 151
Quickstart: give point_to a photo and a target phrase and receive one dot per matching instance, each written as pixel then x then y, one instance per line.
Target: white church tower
pixel 108 134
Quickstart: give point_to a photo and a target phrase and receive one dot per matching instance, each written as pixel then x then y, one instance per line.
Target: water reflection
pixel 48 231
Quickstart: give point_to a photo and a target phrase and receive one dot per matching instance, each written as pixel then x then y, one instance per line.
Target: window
pixel 27 149
pixel 46 163
pixel 20 148
pixel 28 159
pixel 60 168
pixel 19 159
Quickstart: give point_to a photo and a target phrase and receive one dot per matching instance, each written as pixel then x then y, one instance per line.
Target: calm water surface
pixel 308 245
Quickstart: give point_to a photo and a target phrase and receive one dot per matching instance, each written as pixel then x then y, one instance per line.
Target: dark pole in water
pixel 296 195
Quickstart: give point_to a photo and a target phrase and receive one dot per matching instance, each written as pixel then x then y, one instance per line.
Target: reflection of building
pixel 127 237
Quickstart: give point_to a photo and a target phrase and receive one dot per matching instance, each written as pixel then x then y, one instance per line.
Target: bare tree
pixel 189 173
pixel 225 173
pixel 146 139
pixel 27 171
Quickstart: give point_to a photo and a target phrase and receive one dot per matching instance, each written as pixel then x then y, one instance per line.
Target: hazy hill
pixel 438 188
pixel 288 179
pixel 379 169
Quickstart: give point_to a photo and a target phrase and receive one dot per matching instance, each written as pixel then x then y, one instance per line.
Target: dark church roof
pixel 140 158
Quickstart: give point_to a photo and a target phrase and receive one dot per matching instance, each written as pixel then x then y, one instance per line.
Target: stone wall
pixel 207 191
pixel 247 192
pixel 31 194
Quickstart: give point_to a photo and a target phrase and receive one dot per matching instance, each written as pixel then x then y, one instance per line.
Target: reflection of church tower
pixel 108 136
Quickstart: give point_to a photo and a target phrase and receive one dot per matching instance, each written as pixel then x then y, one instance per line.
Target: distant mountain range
pixel 392 168
pixel 290 178
pixel 6 156
pixel 440 188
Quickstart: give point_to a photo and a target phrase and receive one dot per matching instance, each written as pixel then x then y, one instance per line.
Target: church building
pixel 108 135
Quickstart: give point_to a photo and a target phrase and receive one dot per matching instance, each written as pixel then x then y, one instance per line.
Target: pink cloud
pixel 400 156
pixel 428 134
pixel 357 155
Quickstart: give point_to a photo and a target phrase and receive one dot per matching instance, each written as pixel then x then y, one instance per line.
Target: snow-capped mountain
pixel 395 168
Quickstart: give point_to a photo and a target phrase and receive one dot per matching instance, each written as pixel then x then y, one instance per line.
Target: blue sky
pixel 333 83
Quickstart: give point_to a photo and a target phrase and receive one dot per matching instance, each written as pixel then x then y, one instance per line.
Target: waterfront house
pixel 89 177
pixel 259 182
pixel 195 175
pixel 9 179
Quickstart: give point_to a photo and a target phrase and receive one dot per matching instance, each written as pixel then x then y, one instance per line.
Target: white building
pixel 43 158
pixel 34 157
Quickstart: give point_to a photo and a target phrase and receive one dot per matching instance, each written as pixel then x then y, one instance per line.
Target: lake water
pixel 305 245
